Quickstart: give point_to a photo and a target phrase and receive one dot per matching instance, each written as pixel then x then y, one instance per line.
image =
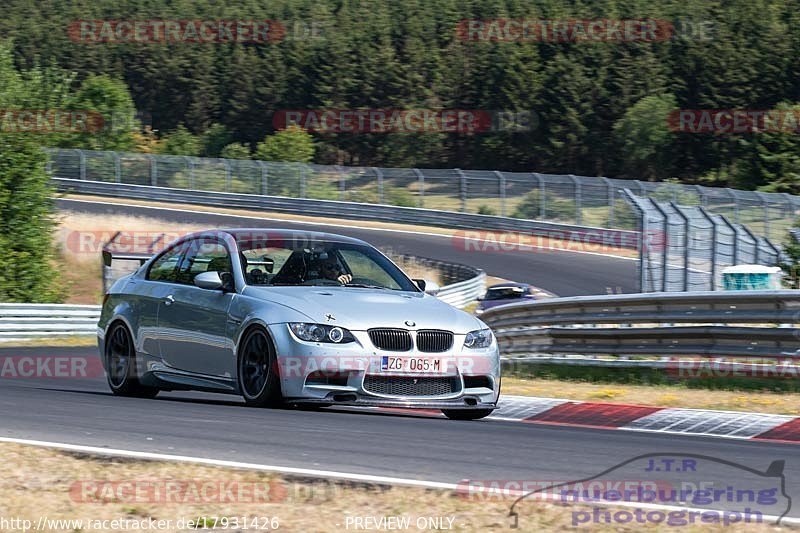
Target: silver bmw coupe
pixel 286 317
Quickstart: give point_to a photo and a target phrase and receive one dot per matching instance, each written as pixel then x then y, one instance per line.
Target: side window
pixel 165 267
pixel 203 255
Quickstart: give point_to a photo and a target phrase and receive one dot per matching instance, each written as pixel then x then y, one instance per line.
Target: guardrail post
pixel 501 184
pixel 578 199
pixel 420 187
pixel 463 178
pixel 379 175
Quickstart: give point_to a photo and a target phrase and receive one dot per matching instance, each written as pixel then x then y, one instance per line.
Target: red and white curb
pixel 727 424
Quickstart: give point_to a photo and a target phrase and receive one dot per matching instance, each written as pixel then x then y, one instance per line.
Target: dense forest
pixel 598 108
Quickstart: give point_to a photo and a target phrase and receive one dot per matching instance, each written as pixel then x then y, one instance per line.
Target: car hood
pixel 359 309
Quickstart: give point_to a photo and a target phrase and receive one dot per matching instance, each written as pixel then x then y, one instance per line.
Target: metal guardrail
pixel 537 327
pixel 355 211
pixel 44 321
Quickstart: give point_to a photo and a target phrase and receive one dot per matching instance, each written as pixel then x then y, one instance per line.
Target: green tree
pixel 27 264
pixel 180 142
pixel 293 144
pixel 644 137
pixel 111 100
pixel 235 151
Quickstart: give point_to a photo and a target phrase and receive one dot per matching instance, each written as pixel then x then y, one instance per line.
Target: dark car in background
pixel 504 293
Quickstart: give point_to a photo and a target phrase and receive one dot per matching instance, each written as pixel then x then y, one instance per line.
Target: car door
pixel 194 330
pixel 147 293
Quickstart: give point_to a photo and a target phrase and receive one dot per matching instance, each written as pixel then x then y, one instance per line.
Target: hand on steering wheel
pixel 344 279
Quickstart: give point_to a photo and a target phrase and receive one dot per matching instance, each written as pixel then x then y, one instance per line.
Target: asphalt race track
pixel 563 273
pixel 83 411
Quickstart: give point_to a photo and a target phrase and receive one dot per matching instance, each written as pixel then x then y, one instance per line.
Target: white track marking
pixel 352 477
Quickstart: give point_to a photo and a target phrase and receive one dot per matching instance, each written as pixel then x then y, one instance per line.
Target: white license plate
pixel 413 365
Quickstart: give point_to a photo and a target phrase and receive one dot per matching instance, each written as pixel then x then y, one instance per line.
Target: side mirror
pixel 427 286
pixel 209 280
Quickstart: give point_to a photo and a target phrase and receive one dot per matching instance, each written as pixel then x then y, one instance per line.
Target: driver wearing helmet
pixel 332 270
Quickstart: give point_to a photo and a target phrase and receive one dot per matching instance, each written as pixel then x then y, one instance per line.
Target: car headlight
pixel 480 338
pixel 321 333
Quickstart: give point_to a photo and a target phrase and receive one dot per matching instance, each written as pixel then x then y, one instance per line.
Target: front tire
pixel 466 414
pixel 120 357
pixel 259 382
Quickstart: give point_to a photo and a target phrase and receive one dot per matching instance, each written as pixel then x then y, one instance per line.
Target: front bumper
pixel 326 374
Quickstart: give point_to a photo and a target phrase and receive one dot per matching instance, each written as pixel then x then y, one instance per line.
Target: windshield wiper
pixel 364 286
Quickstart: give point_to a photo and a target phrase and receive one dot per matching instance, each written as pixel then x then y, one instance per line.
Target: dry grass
pixel 36 482
pixel 784 403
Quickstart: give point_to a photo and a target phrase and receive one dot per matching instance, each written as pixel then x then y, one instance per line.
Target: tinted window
pixel 505 293
pixel 165 267
pixel 203 255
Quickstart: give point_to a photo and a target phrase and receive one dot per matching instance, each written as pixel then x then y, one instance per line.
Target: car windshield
pixel 301 262
pixel 504 293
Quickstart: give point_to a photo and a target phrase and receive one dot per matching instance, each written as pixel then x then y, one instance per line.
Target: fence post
pixel 727 222
pixel 701 195
pixel 190 166
pixel 153 170
pixel 610 198
pixel 420 186
pixel 755 240
pixel 665 252
pixel 765 203
pixel 342 185
pixel 463 178
pixel 303 180
pixel 714 237
pixel 117 168
pixel 687 245
pixel 578 199
pixel 542 193
pixel 501 184
pixel 228 177
pixel 633 201
pixel 49 167
pixel 82 156
pixel 264 177
pixel 735 205
pixel 379 175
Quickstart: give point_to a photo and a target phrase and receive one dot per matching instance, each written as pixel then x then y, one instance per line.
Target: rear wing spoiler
pixel 109 254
